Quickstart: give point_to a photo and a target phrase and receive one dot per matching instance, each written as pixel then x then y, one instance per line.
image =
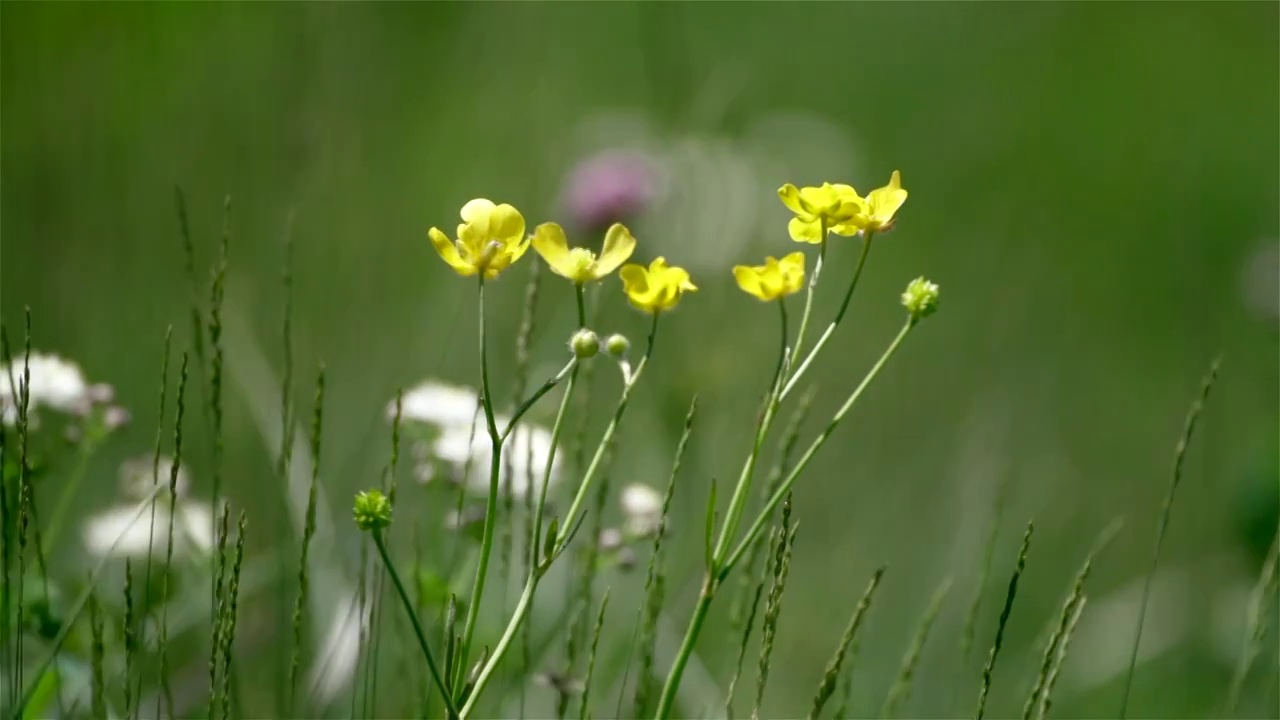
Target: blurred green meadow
pixel 1095 186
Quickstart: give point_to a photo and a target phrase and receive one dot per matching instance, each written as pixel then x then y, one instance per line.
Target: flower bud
pixel 617 345
pixel 585 344
pixel 372 510
pixel 920 298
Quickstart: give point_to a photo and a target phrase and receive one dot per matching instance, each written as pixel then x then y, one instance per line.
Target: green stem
pixel 491 506
pixel 669 689
pixel 536 396
pixel 813 286
pixel 71 489
pixel 413 619
pixel 486 673
pixel 826 335
pixel 785 486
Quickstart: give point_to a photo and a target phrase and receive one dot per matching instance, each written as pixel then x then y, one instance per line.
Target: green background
pixel 1088 183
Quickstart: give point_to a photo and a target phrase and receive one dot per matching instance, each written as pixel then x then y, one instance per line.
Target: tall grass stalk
pixel 832 673
pixel 155 483
pixel 166 693
pixel 989 669
pixel 900 691
pixel 215 640
pixel 1166 512
pixel 1262 602
pixel 1060 657
pixel 584 711
pixel 655 579
pixel 784 541
pixel 747 626
pixel 24 492
pixel 308 532
pixel 130 638
pixel 217 293
pixel 189 265
pixel 229 616
pixel 96 654
pixel 375 623
pixel 284 460
pixel 984 569
pixel 1068 611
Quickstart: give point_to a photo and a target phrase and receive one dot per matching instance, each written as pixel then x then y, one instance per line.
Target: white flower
pixel 131 531
pixel 55 383
pixel 459 434
pixel 642 506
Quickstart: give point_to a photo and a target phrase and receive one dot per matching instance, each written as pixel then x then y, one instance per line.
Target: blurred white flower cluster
pixel 56 384
pixel 132 533
pixel 456 441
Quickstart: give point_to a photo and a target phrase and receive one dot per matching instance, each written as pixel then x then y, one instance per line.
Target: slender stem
pixel 71 488
pixel 826 335
pixel 413 619
pixel 667 701
pixel 813 286
pixel 522 610
pixel 556 427
pixel 491 505
pixel 738 503
pixel 536 396
pixel 785 486
pixel 597 460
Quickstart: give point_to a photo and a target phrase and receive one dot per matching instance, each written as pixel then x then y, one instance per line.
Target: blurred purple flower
pixel 612 186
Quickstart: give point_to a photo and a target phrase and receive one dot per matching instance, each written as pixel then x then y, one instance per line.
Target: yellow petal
pixel 790 197
pixel 806 231
pixel 635 283
pixel 618 246
pixel 506 224
pixel 886 201
pixel 449 253
pixel 749 280
pixel 549 242
pixel 792 270
pixel 477 211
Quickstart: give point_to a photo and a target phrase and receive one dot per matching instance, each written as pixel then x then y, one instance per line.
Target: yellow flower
pixel 490 238
pixel 580 264
pixel 657 288
pixel 835 206
pixel 773 280
pixel 882 205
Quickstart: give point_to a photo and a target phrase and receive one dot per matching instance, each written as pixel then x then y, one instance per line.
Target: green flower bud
pixel 617 345
pixel 920 298
pixel 372 510
pixel 585 344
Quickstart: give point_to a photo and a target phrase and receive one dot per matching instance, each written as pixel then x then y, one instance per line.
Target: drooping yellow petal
pixel 792 269
pixel 790 196
pixel 805 231
pixel 449 253
pixel 749 280
pixel 549 242
pixel 618 246
pixel 885 202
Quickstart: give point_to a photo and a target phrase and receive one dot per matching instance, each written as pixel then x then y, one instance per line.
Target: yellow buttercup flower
pixel 490 238
pixel 657 288
pixel 580 264
pixel 835 206
pixel 773 280
pixel 882 205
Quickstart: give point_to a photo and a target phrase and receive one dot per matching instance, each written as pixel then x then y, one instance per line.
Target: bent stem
pixel 813 286
pixel 413 619
pixel 723 567
pixel 826 335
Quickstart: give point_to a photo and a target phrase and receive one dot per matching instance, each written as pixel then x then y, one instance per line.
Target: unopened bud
pixel 617 345
pixel 920 298
pixel 585 344
pixel 372 510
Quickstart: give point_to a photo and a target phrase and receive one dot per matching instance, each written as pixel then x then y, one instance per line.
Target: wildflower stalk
pixel 813 287
pixel 557 539
pixel 308 532
pixel 832 673
pixel 826 335
pixel 901 688
pixel 584 711
pixel 1260 604
pixel 1166 512
pixel 1012 593
pixel 413 619
pixel 155 482
pixel 175 466
pixel 722 566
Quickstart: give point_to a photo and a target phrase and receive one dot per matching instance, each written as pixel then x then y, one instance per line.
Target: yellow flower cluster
pixel 820 210
pixel 491 238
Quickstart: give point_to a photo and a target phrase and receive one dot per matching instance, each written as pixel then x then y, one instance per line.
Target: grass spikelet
pixel 984 569
pixel 1009 597
pixel 742 648
pixel 654 579
pixel 130 637
pixel 284 460
pixel 1257 622
pixel 1068 609
pixel 229 618
pixel 1060 657
pixel 784 541
pixel 309 531
pixel 24 493
pixel 217 293
pixel 98 687
pixel 1166 511
pixel 215 643
pixel 901 689
pixel 189 265
pixel 167 692
pixel 155 480
pixel 584 711
pixel 832 673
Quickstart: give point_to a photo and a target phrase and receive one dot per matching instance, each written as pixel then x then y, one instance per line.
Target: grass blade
pixel 784 541
pixel 1009 597
pixel 309 531
pixel 1061 656
pixel 1258 619
pixel 584 711
pixel 229 618
pixel 167 692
